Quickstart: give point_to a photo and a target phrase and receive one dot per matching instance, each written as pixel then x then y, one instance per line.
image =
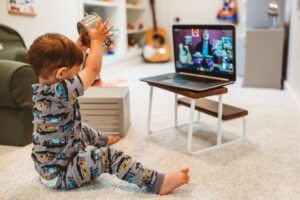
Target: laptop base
pixel 186 82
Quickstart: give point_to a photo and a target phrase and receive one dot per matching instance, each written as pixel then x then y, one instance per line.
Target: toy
pixel 111 48
pixel 132 42
pixel 138 26
pixel 228 12
pixel 131 26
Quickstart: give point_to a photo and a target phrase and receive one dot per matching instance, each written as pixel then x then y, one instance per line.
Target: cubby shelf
pixel 100 3
pixel 112 59
pixel 136 31
pixel 121 15
pixel 135 7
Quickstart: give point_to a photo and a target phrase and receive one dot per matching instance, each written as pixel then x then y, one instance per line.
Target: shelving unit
pixel 135 31
pixel 136 7
pixel 100 3
pixel 130 21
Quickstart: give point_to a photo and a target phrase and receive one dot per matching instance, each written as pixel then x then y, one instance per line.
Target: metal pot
pixel 90 20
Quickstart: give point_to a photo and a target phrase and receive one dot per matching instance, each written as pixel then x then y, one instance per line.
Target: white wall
pixel 62 15
pixel 196 11
pixel 257 16
pixel 52 16
pixel 287 12
pixel 293 77
pixel 202 12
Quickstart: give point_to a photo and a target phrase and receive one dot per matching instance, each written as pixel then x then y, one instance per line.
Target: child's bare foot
pixel 112 139
pixel 174 180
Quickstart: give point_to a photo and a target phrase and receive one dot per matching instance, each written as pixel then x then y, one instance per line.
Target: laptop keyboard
pixel 180 78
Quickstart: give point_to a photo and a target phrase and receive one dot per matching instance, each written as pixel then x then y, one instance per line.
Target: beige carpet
pixel 266 166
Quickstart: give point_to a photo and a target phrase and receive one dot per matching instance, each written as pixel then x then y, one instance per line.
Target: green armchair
pixel 12 46
pixel 16 117
pixel 16 78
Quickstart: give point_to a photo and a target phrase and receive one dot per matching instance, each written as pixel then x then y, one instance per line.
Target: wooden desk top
pixel 192 94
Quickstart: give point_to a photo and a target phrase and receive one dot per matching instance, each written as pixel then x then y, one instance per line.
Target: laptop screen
pixel 205 49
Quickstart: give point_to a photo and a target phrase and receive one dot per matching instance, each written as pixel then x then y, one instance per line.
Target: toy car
pixel 147 177
pixel 55 142
pixel 43 104
pixel 45 129
pixel 81 167
pixel 45 155
pixel 125 163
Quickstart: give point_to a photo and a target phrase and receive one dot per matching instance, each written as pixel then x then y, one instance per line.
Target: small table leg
pixel 176 111
pixel 150 109
pixel 198 116
pixel 190 131
pixel 220 111
pixel 244 128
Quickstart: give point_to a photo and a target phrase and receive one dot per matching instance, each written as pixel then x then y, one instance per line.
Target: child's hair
pixel 52 51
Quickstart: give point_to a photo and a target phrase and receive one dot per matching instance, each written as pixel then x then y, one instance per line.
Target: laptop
pixel 204 57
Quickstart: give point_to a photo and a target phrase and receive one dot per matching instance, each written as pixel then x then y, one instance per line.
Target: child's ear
pixel 60 74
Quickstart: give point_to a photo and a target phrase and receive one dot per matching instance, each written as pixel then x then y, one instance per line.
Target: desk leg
pixel 220 112
pixel 244 128
pixel 190 131
pixel 176 111
pixel 198 116
pixel 150 109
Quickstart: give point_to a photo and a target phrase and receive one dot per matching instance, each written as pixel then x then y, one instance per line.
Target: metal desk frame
pixel 191 121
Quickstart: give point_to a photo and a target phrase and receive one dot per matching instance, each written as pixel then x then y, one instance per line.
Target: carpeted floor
pixel 266 166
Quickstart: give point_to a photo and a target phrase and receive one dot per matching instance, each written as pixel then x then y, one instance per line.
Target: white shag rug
pixel 266 166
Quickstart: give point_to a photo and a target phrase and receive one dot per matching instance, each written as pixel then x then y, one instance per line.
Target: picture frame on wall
pixel 21 7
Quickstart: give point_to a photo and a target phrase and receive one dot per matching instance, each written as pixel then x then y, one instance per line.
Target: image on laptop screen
pixel 204 51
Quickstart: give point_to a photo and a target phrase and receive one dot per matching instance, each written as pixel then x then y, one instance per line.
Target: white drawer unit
pixel 106 109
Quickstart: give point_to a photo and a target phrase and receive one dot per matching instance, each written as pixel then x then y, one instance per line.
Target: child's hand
pixel 80 44
pixel 113 139
pixel 100 32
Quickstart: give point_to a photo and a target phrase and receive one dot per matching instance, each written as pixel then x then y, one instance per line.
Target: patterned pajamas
pixel 60 138
pixel 88 165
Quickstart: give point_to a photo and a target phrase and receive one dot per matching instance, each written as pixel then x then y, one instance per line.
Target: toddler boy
pixel 60 137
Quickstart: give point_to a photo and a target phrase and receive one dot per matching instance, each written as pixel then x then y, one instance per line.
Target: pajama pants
pixel 88 165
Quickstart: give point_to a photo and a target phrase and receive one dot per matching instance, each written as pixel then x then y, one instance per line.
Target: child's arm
pixel 94 61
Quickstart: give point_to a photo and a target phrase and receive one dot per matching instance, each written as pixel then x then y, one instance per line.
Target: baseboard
pixel 293 94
